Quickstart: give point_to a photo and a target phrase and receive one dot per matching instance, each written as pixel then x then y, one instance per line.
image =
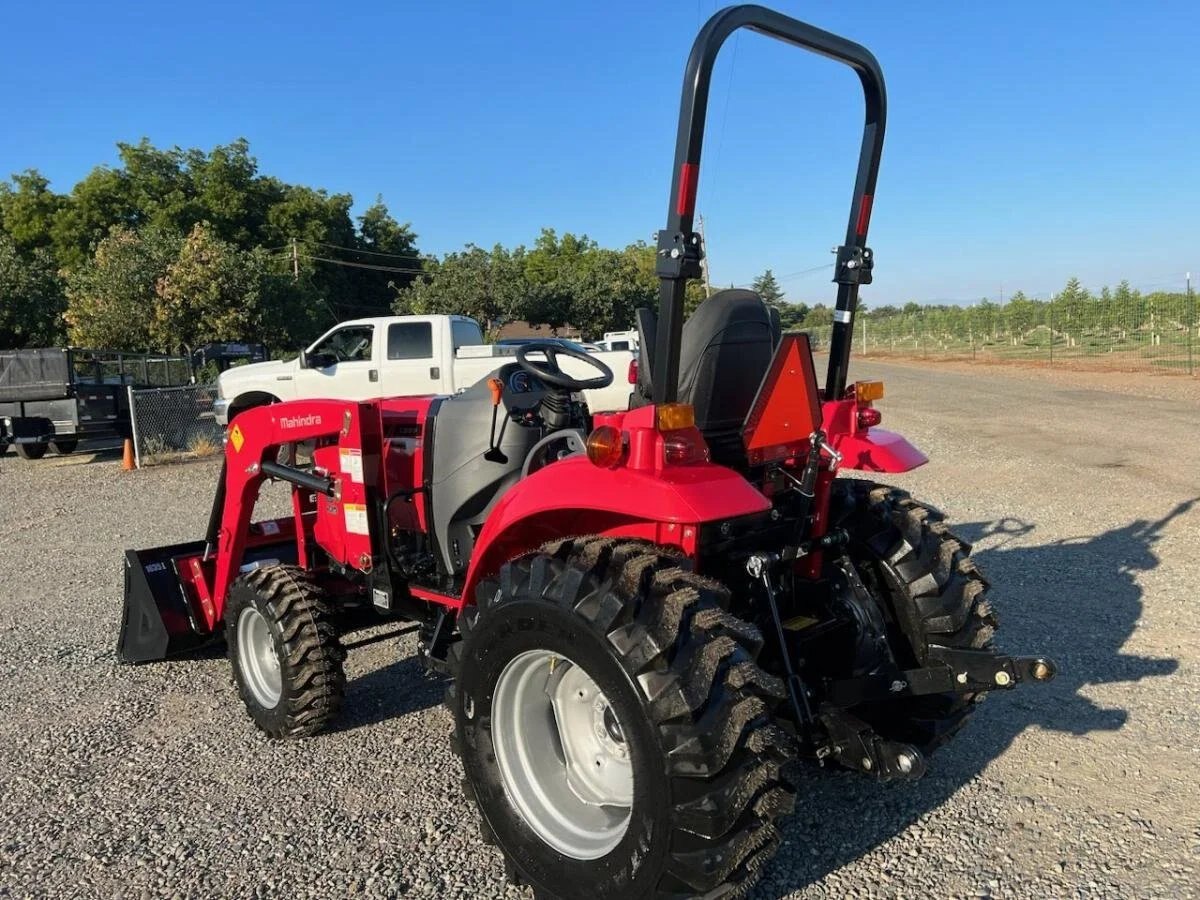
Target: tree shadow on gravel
pixel 1077 601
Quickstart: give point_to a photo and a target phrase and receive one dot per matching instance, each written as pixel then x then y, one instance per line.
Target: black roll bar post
pixel 679 249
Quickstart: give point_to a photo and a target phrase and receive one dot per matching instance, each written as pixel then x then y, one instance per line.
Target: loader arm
pixel 254 440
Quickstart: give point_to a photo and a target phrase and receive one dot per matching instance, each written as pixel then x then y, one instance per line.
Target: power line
pixel 358 265
pixel 712 172
pixel 804 272
pixel 368 252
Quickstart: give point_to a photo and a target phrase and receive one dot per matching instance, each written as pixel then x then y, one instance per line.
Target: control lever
pixel 494 453
pixel 758 567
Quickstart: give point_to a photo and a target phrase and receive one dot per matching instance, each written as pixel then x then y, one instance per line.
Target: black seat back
pixel 647 329
pixel 726 350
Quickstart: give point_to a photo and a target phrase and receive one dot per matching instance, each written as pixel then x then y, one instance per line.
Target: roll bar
pixel 679 248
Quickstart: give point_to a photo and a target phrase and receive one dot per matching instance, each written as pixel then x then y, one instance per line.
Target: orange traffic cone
pixel 127 462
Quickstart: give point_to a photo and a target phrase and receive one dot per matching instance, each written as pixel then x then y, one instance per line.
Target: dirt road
pixel 1083 507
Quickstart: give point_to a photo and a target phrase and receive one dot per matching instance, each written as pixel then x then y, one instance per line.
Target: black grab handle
pixel 679 246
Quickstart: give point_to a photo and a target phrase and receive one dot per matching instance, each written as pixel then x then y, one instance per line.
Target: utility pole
pixel 704 258
pixel 295 262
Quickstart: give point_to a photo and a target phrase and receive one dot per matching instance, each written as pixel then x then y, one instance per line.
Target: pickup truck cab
pixel 394 356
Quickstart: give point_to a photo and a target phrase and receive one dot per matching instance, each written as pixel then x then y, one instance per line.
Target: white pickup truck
pixel 395 356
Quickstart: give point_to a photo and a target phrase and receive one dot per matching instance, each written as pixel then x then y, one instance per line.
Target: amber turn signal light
pixel 866 391
pixel 606 446
pixel 674 416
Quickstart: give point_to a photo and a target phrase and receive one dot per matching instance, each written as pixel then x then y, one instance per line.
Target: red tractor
pixel 648 617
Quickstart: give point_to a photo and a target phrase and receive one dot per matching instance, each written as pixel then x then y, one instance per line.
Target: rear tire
pixel 31 451
pixel 932 594
pixel 284 650
pixel 63 447
pixel 689 707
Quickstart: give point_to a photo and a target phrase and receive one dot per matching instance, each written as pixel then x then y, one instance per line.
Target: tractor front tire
pixel 284 650
pixel 31 451
pixel 932 594
pixel 615 730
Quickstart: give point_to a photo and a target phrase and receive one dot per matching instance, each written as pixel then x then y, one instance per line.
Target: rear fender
pixel 867 449
pixel 574 497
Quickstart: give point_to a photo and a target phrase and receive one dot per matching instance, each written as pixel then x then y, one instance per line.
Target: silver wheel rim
pixel 257 658
pixel 562 754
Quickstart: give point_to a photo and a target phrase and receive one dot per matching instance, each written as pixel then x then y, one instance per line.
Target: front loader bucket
pixel 157 621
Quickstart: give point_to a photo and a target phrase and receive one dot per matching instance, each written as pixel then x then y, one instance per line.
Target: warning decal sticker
pixel 351 462
pixel 236 438
pixel 356 518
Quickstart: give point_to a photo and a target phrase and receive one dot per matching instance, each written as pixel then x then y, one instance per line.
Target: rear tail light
pixel 868 417
pixel 633 371
pixel 684 447
pixel 606 446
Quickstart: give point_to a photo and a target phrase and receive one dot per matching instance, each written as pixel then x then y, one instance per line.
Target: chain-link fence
pixel 174 423
pixel 1152 333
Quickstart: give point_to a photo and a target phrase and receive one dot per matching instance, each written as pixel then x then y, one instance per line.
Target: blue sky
pixel 1027 142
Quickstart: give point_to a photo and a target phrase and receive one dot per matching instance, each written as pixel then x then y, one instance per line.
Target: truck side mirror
pixel 303 358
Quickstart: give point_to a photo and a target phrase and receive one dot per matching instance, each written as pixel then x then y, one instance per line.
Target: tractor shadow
pixel 1078 601
pixel 391 690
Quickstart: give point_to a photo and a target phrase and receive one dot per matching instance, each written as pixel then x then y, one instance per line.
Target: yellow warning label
pixel 799 623
pixel 356 518
pixel 236 438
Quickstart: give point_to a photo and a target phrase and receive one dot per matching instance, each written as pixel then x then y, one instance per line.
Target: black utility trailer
pixel 54 398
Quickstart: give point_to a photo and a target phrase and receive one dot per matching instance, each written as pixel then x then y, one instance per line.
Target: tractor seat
pixel 727 346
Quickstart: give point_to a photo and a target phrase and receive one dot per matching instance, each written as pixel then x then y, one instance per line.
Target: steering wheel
pixel 550 372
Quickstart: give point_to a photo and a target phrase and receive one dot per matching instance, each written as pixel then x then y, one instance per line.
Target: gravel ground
pixel 150 781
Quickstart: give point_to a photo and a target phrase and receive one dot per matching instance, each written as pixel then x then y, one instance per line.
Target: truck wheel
pixel 65 446
pixel 615 730
pixel 31 451
pixel 932 595
pixel 286 656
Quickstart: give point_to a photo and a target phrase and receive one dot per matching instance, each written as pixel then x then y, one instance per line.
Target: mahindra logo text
pixel 300 421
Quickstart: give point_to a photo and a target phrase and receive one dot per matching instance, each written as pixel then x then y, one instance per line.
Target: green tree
pixel 95 205
pixel 820 316
pixel 1021 314
pixel 31 297
pixel 211 292
pixel 111 298
pixel 383 242
pixel 792 315
pixel 27 210
pixel 488 286
pixel 767 287
pixel 1071 307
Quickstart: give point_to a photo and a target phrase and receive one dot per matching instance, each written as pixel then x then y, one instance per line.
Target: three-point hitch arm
pixel 679 249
